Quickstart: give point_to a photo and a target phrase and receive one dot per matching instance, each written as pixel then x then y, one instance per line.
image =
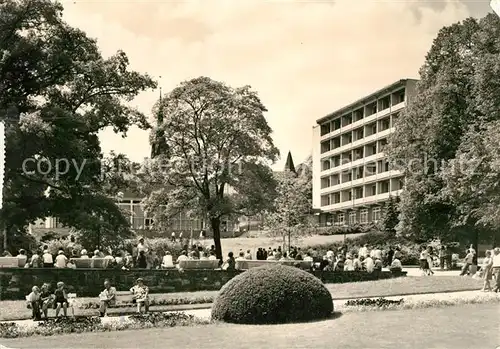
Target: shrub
pixel 272 294
pixel 368 302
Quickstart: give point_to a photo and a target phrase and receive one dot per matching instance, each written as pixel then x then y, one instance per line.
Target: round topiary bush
pixel 272 294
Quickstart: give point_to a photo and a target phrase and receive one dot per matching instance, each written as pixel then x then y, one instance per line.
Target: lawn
pixel 253 243
pixel 15 310
pixel 459 327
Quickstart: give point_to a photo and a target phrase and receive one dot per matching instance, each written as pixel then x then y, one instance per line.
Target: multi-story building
pixel 352 177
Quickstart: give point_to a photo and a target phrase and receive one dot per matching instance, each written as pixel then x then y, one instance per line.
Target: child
pixel 61 299
pixel 487 269
pixel 34 303
pixel 141 295
pixel 424 263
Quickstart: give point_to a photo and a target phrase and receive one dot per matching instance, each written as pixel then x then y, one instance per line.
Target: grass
pixel 405 329
pixel 16 310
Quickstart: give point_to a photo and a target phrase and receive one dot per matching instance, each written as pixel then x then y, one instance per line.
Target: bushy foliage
pixel 53 246
pixel 272 294
pixel 369 302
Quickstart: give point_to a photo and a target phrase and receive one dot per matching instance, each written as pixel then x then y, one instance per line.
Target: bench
pixel 88 263
pixel 199 264
pixel 9 262
pixel 248 264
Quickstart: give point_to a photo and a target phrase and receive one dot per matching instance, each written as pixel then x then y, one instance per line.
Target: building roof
pixel 368 98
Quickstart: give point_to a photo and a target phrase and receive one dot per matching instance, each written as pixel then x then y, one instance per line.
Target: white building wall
pixel 316 170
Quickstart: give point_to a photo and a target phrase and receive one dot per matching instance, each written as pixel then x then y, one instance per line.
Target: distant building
pixel 351 174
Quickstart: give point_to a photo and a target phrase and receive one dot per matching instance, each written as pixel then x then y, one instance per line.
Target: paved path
pixel 338 305
pixel 458 327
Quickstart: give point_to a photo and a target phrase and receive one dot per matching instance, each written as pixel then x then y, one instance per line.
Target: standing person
pixel 442 256
pixel 142 262
pixel 34 302
pixel 363 251
pixel 107 298
pixel 487 268
pixel 430 259
pixel 140 294
pixel 172 237
pixel 141 246
pixel 467 263
pixel 390 256
pixel 424 264
pixel 496 269
pixel 48 259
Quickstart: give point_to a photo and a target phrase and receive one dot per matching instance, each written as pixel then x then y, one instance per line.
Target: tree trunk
pixel 215 223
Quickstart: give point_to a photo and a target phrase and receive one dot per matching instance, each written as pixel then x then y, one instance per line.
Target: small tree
pixel 291 206
pixel 390 218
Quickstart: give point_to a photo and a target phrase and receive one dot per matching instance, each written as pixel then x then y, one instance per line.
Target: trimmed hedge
pixel 273 294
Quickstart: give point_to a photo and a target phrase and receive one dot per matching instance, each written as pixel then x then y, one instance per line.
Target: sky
pixel 304 58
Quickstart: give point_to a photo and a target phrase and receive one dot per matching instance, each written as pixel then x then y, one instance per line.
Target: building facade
pixel 352 177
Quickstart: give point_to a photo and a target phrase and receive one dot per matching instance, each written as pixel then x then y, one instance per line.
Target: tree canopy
pixel 443 129
pixel 56 93
pixel 215 154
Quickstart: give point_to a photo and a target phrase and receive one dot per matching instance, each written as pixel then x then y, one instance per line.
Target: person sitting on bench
pixel 61 299
pixel 107 298
pixel 141 295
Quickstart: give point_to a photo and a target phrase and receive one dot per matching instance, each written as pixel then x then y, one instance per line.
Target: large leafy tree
pixel 216 146
pixel 56 93
pixel 456 96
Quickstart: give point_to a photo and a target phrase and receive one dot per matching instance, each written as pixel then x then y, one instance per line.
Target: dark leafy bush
pixel 368 302
pixel 9 330
pixel 272 294
pixel 70 325
pixel 162 319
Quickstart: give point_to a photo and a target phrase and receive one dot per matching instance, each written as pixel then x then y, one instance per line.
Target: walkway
pixel 338 306
pixel 447 328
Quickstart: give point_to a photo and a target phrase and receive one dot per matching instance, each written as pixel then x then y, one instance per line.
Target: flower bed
pixel 420 302
pixel 153 302
pixel 95 324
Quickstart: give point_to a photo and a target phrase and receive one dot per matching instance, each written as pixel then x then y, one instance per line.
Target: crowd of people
pixel 366 259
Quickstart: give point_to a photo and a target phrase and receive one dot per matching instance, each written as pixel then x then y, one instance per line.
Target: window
pixel 352 218
pixel 325 128
pixel 341 218
pixel 336 124
pixel 325 200
pixel 383 187
pixel 364 216
pixel 325 146
pixel 325 182
pixel 376 214
pixel 358 193
pixel 148 222
pixel 325 165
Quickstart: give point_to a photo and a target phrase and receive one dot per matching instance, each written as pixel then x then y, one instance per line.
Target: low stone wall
pixel 16 283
